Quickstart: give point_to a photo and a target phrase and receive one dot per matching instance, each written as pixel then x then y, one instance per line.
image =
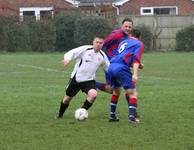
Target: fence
pixel 164 28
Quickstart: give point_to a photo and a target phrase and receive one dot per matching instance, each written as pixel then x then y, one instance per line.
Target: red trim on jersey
pixel 127 56
pixel 140 53
pixel 110 50
pixel 114 98
pixel 133 100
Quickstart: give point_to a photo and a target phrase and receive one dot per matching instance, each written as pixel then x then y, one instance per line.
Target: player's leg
pixel 127 97
pixel 131 94
pixel 130 90
pixel 63 106
pixel 72 89
pixel 132 105
pixel 90 89
pixel 115 84
pixel 105 87
pixel 113 105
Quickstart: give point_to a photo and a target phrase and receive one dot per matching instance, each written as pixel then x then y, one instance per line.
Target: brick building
pixel 107 8
pixel 35 8
pixel 155 7
pixel 97 7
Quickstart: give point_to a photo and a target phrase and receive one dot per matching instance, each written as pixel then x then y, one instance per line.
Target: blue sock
pixel 127 98
pixel 113 105
pixel 132 108
pixel 100 86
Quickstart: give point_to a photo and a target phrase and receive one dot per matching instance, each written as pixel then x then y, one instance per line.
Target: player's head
pixel 136 33
pixel 127 25
pixel 98 42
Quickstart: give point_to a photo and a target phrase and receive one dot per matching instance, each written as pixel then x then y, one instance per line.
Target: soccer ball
pixel 81 114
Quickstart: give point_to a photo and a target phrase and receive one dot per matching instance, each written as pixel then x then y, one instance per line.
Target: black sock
pixel 62 109
pixel 87 104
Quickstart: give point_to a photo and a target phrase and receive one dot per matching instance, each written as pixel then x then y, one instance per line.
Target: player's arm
pixel 108 40
pixel 139 48
pixel 73 54
pixel 137 60
pixel 105 63
pixel 141 66
pixel 135 72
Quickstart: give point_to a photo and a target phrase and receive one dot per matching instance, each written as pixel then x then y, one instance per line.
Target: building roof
pixel 74 2
pixel 120 2
pixel 97 1
pixel 115 2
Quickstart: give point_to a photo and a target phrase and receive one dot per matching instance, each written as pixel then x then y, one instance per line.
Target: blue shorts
pixel 120 77
pixel 108 78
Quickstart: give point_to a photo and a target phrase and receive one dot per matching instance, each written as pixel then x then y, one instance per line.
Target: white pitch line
pixel 59 71
pixel 157 78
pixel 15 72
pixel 40 68
pixel 37 67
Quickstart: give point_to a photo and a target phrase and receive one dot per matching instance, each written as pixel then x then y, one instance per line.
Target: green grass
pixel 32 85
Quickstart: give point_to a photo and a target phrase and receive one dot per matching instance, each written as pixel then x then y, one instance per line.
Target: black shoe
pixel 137 115
pixel 113 118
pixel 58 116
pixel 134 120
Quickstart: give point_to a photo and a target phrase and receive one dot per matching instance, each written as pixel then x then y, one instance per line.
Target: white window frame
pixel 152 9
pixel 144 8
pixel 37 11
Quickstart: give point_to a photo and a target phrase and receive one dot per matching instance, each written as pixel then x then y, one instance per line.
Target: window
pixel 36 12
pixel 28 14
pixel 165 10
pixel 45 14
pixel 146 11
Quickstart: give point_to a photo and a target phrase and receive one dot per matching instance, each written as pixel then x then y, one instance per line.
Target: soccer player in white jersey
pixel 88 59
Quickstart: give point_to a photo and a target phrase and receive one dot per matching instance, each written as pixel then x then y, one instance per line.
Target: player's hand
pixel 141 66
pixel 65 62
pixel 134 78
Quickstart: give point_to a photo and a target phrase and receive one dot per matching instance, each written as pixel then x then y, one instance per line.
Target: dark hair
pixel 136 33
pixel 98 36
pixel 127 20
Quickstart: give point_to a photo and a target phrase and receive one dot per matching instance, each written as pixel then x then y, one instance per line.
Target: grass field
pixel 32 85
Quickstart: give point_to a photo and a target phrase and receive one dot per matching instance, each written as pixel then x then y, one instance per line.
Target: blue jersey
pixel 112 41
pixel 129 51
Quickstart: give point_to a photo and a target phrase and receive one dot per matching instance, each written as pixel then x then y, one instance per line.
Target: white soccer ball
pixel 81 114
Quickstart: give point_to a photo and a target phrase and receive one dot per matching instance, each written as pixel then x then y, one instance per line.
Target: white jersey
pixel 87 62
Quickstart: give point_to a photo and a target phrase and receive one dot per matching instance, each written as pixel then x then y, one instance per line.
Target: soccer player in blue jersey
pixel 123 72
pixel 110 46
pixel 111 43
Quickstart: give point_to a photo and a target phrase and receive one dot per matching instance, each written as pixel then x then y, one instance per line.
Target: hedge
pixel 30 35
pixel 42 35
pixel 65 26
pixel 5 23
pixel 88 27
pixel 66 31
pixel 146 37
pixel 185 39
